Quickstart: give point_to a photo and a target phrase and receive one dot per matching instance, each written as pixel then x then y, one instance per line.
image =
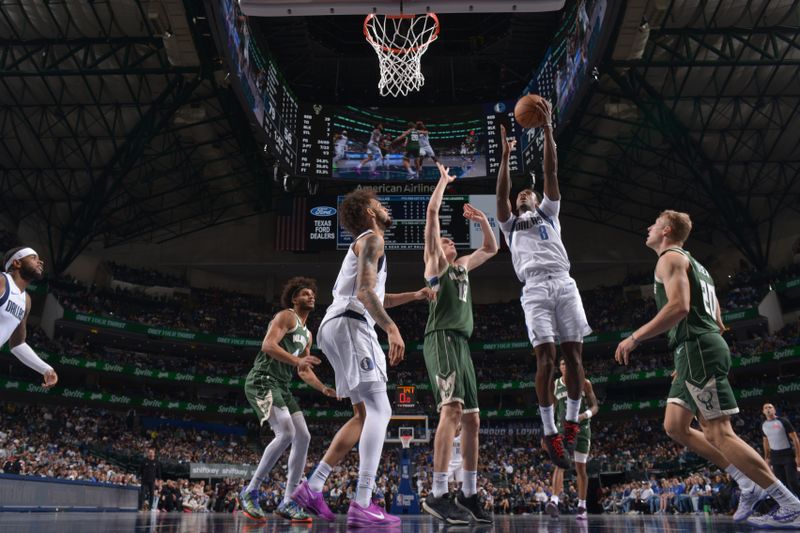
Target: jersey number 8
pixel 543 233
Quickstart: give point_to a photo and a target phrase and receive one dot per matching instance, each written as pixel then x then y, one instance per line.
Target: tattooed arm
pixel 370 252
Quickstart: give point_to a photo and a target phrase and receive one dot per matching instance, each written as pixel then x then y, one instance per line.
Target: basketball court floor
pixel 228 523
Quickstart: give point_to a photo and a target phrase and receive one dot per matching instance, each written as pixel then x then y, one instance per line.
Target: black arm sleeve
pixel 787 426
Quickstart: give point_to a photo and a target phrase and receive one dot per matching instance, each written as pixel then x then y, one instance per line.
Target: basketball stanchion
pixel 407 500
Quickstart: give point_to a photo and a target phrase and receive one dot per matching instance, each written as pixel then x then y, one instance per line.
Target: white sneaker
pixel 777 519
pixel 747 501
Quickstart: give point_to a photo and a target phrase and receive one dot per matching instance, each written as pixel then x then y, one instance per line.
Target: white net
pixel 400 42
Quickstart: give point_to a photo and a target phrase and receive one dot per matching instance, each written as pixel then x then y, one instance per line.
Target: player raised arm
pixel 25 353
pixel 371 251
pixel 278 328
pixel 504 177
pixel 592 405
pixel 402 298
pixel 435 261
pixel 672 268
pixel 489 247
pixel 550 158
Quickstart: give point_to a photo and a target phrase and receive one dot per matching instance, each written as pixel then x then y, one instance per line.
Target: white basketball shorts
pixel 352 348
pixel 374 150
pixel 553 309
pixel 426 151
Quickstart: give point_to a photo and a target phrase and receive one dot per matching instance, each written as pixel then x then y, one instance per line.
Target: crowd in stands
pixel 98 445
pixel 246 315
pixel 144 276
pixel 518 365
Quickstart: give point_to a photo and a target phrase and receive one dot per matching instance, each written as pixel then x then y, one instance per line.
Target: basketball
pixel 526 113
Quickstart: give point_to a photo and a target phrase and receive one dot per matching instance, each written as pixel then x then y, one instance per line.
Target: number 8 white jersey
pixel 534 238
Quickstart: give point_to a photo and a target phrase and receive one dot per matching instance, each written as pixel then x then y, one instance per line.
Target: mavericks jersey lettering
pixel 452 308
pixel 534 238
pixel 702 317
pixel 12 309
pixel 294 342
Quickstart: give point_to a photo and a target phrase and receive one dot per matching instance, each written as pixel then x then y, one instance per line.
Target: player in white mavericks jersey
pixel 455 468
pixel 340 147
pixel 347 338
pixel 425 148
pixel 373 149
pixel 550 298
pixel 22 266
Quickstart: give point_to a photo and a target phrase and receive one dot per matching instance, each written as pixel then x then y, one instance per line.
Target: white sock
pixel 439 483
pixel 364 489
pixel 281 423
pixel 572 409
pixel 470 484
pixel 782 495
pixel 554 498
pixel 370 445
pixel 744 482
pixel 297 455
pixel 319 477
pixel 582 503
pixel 548 419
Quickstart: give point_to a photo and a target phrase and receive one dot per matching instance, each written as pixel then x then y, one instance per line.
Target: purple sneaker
pixel 312 502
pixel 372 516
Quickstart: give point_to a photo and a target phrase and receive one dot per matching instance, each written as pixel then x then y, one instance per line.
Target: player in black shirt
pixel 781 447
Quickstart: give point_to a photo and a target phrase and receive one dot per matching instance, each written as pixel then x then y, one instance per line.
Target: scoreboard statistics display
pixel 497 114
pixel 315 141
pixel 408 216
pixel 333 141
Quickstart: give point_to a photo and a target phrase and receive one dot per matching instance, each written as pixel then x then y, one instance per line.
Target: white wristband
pixel 25 353
pixel 587 413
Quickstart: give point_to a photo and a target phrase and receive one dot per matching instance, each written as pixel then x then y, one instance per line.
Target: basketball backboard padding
pixel 309 8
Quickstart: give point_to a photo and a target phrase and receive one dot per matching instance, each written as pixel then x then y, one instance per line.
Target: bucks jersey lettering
pixel 561 401
pixel 702 317
pixel 452 308
pixel 413 140
pixel 294 342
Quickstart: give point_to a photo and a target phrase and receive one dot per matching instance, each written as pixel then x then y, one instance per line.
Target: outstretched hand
pixel 307 362
pixel 544 108
pixel 473 214
pixel 624 349
pixel 508 144
pixel 425 293
pixel 50 379
pixel 444 173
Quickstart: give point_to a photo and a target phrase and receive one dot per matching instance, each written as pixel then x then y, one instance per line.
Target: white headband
pixel 25 252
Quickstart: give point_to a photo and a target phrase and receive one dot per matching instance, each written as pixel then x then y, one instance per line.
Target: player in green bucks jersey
pixel 286 348
pixel 588 409
pixel 690 315
pixel 447 358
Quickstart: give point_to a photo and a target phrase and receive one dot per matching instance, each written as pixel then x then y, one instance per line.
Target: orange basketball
pixel 526 113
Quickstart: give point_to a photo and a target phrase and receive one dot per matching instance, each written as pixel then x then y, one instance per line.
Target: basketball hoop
pixel 400 41
pixel 406 435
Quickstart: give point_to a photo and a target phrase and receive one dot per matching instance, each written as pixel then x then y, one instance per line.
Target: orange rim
pixel 401 50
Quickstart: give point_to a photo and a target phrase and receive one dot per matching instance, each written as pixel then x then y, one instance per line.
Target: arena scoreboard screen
pixel 406 397
pixel 323 231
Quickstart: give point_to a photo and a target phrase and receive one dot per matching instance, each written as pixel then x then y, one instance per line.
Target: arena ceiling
pixel 117 124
